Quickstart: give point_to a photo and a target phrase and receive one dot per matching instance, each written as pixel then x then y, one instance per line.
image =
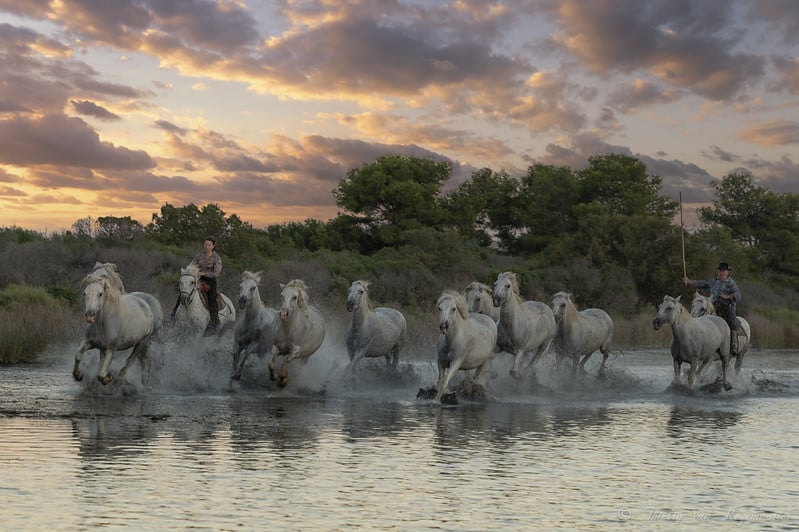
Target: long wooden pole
pixel 682 237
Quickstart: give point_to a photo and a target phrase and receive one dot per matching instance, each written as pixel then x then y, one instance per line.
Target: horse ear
pixel 677 299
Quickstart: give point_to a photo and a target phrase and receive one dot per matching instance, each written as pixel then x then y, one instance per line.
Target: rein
pixel 190 294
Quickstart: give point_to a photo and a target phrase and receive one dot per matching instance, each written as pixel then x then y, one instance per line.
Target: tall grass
pixel 30 320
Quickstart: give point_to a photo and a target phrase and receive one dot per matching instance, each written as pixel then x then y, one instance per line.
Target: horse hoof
pixel 104 379
pixel 727 386
pixel 281 383
pixel 77 375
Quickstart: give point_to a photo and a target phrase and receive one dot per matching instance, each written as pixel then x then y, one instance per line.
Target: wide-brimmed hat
pixel 724 266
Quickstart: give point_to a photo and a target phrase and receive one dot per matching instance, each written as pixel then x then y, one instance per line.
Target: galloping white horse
pixel 378 332
pixel 194 301
pixel 580 333
pixel 257 328
pixel 117 320
pixel 703 305
pixel 696 341
pixel 301 332
pixel 479 298
pixel 524 326
pixel 466 342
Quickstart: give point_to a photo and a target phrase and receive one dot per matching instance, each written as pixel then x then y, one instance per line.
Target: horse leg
pixel 355 357
pixel 677 364
pixel 85 345
pixel 102 374
pixel 692 374
pixel 581 365
pixel 285 369
pixel 272 372
pixel 139 352
pixel 725 361
pixel 444 378
pixel 518 358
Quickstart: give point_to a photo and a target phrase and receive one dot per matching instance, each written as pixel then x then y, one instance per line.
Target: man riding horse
pixel 725 294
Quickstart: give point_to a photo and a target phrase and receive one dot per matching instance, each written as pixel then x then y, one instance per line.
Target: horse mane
pixel 254 276
pixel 710 308
pixel 191 269
pixel 514 284
pixel 460 301
pixel 302 292
pixel 480 286
pixel 106 273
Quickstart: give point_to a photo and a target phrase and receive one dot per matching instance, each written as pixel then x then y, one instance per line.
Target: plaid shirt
pixel 211 266
pixel 718 287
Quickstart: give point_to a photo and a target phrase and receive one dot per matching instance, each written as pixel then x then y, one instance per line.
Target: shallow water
pixel 332 453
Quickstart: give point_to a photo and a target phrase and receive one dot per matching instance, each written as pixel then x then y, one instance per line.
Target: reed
pixel 30 320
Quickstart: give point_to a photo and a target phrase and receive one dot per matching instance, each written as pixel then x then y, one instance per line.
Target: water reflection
pixel 695 424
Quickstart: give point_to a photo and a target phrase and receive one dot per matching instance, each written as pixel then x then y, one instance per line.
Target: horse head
pixel 295 297
pixel 248 288
pixel 560 302
pixel 450 305
pixel 475 294
pixel 187 284
pixel 101 284
pixel 701 306
pixel 668 312
pixel 356 294
pixel 505 287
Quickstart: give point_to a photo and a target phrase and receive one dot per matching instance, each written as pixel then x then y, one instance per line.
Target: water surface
pixel 334 453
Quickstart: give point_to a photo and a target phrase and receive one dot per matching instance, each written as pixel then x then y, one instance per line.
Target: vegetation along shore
pixel 605 234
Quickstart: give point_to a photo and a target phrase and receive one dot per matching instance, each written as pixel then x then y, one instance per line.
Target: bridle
pixel 189 295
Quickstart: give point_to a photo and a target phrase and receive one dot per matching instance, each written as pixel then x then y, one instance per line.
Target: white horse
pixel 117 321
pixel 378 332
pixel 466 342
pixel 479 298
pixel 524 326
pixel 703 305
pixel 257 328
pixel 581 333
pixel 194 301
pixel 301 332
pixel 696 341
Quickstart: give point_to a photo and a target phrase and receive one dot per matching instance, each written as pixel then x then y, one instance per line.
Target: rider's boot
pixel 734 342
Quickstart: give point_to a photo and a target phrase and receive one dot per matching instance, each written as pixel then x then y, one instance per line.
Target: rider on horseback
pixel 210 264
pixel 725 294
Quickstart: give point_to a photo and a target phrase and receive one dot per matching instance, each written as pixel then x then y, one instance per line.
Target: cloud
pixel 772 133
pixel 678 42
pixel 639 93
pixel 92 109
pixel 61 140
pixel 717 154
pixel 788 69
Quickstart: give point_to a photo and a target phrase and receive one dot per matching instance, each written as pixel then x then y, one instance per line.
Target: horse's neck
pixel 255 307
pixel 360 314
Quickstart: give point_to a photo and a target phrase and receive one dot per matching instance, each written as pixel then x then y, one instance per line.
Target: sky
pixel 115 108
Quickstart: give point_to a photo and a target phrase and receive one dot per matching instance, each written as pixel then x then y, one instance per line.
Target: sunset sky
pixel 116 107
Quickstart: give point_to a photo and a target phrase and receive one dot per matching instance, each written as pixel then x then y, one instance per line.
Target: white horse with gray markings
pixel 117 321
pixel 378 332
pixel 466 342
pixel 581 333
pixel 695 341
pixel 257 328
pixel 524 326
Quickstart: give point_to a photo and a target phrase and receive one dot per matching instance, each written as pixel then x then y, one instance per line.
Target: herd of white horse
pixel 475 325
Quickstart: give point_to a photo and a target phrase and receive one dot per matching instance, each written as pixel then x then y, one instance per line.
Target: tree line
pixel 604 232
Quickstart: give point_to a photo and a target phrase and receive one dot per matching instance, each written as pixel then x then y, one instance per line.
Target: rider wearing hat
pixel 725 294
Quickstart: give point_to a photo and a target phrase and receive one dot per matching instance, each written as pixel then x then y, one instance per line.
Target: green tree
pixel 394 194
pixel 118 228
pixel 485 206
pixel 764 223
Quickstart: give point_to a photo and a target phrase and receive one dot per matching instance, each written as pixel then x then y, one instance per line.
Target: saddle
pixel 220 303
